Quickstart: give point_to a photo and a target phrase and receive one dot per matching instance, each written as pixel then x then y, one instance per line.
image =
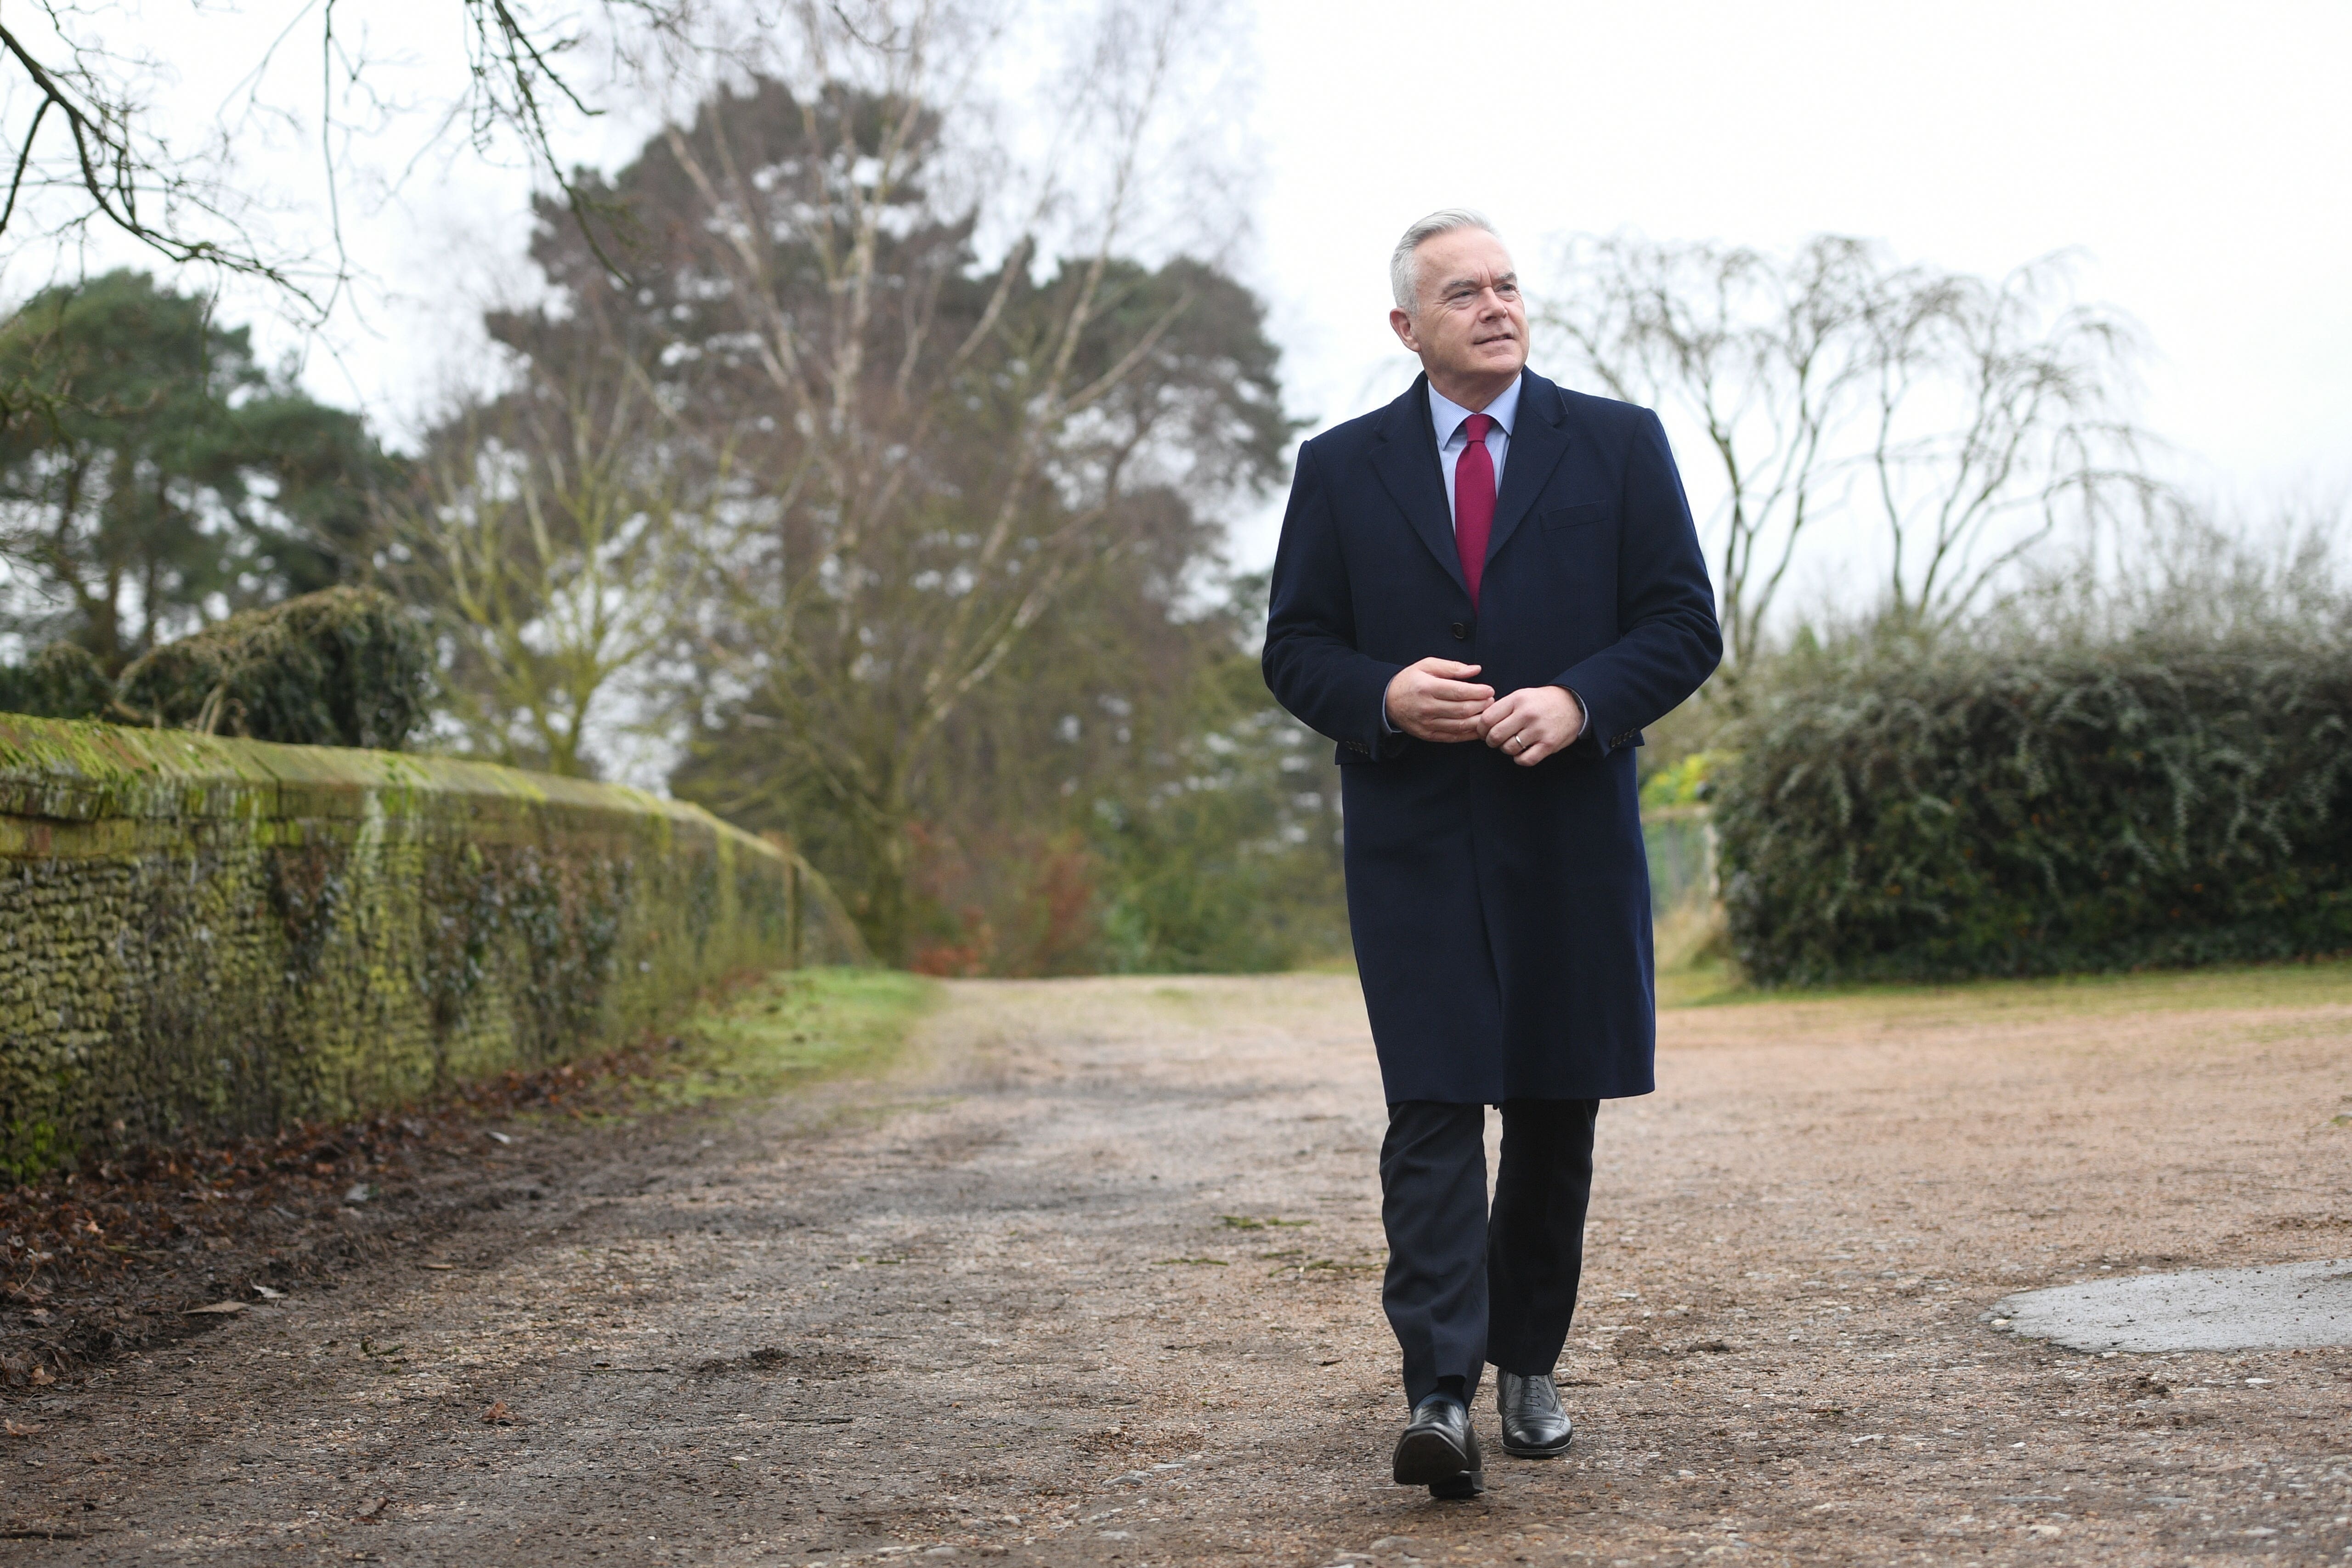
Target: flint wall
pixel 212 936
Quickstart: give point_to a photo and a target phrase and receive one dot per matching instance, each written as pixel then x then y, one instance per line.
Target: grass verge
pixel 1694 969
pixel 791 1029
pixel 2315 984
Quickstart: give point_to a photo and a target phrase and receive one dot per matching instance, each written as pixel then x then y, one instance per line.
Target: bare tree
pixel 1964 420
pixel 85 148
pixel 545 539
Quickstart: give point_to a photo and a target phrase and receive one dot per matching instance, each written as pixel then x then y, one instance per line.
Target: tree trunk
pixel 886 915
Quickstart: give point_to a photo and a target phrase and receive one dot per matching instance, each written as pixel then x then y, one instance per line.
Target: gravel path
pixel 1092 1278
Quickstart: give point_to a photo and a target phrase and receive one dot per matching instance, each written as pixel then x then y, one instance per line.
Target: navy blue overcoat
pixel 1501 914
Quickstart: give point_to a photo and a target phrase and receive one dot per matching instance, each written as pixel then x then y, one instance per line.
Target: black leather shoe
pixel 1440 1451
pixel 1534 1426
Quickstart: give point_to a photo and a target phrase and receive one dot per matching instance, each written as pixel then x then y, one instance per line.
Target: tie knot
pixel 1477 425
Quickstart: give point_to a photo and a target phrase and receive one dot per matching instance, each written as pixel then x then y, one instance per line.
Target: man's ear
pixel 1401 324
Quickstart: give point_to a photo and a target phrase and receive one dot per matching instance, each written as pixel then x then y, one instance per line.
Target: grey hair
pixel 1404 274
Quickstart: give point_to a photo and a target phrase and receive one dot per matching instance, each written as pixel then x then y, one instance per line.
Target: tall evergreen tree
pixel 154 477
pixel 946 503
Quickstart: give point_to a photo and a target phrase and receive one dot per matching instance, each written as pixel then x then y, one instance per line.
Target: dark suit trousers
pixel 1466 1286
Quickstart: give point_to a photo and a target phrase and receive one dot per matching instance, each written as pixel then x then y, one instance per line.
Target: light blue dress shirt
pixel 1446 418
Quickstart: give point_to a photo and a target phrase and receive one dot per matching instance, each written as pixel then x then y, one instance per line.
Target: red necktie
pixel 1474 503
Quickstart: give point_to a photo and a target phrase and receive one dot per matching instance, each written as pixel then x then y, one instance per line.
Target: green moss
pixel 29 1148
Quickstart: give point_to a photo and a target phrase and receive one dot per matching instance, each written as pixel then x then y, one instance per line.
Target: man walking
pixel 1484 592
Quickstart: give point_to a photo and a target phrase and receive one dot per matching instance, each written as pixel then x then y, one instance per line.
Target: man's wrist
pixel 1583 714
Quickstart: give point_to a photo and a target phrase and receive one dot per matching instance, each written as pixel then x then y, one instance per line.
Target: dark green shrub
pixel 2039 806
pixel 342 668
pixel 61 681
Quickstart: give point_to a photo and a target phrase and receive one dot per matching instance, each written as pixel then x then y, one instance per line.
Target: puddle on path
pixel 2279 1306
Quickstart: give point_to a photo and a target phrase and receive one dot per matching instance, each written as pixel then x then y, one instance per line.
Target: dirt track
pixel 995 1305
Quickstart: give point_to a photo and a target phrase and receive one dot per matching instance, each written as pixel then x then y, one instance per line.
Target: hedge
pixel 1898 811
pixel 61 681
pixel 343 667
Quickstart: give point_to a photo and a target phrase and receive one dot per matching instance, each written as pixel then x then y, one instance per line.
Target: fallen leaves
pixel 144 1227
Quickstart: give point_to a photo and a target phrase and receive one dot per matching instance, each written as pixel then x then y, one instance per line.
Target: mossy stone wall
pixel 201 936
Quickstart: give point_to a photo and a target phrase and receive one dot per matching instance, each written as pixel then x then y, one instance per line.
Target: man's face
pixel 1468 323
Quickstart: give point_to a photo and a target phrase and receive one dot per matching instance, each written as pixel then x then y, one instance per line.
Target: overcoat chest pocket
pixel 1576 516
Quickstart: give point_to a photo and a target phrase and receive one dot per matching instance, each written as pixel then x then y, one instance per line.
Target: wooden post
pixel 796 912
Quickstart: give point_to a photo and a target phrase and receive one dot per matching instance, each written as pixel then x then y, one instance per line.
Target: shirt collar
pixel 1446 416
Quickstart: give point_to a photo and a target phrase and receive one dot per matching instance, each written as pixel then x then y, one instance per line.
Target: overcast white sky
pixel 2197 156
pixel 2194 155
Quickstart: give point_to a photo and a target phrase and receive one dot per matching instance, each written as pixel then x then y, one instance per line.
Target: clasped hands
pixel 1435 700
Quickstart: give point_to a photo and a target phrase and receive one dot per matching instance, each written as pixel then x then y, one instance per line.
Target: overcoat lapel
pixel 1405 458
pixel 1536 450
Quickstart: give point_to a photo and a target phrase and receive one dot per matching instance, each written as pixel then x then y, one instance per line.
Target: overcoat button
pixel 1460 632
